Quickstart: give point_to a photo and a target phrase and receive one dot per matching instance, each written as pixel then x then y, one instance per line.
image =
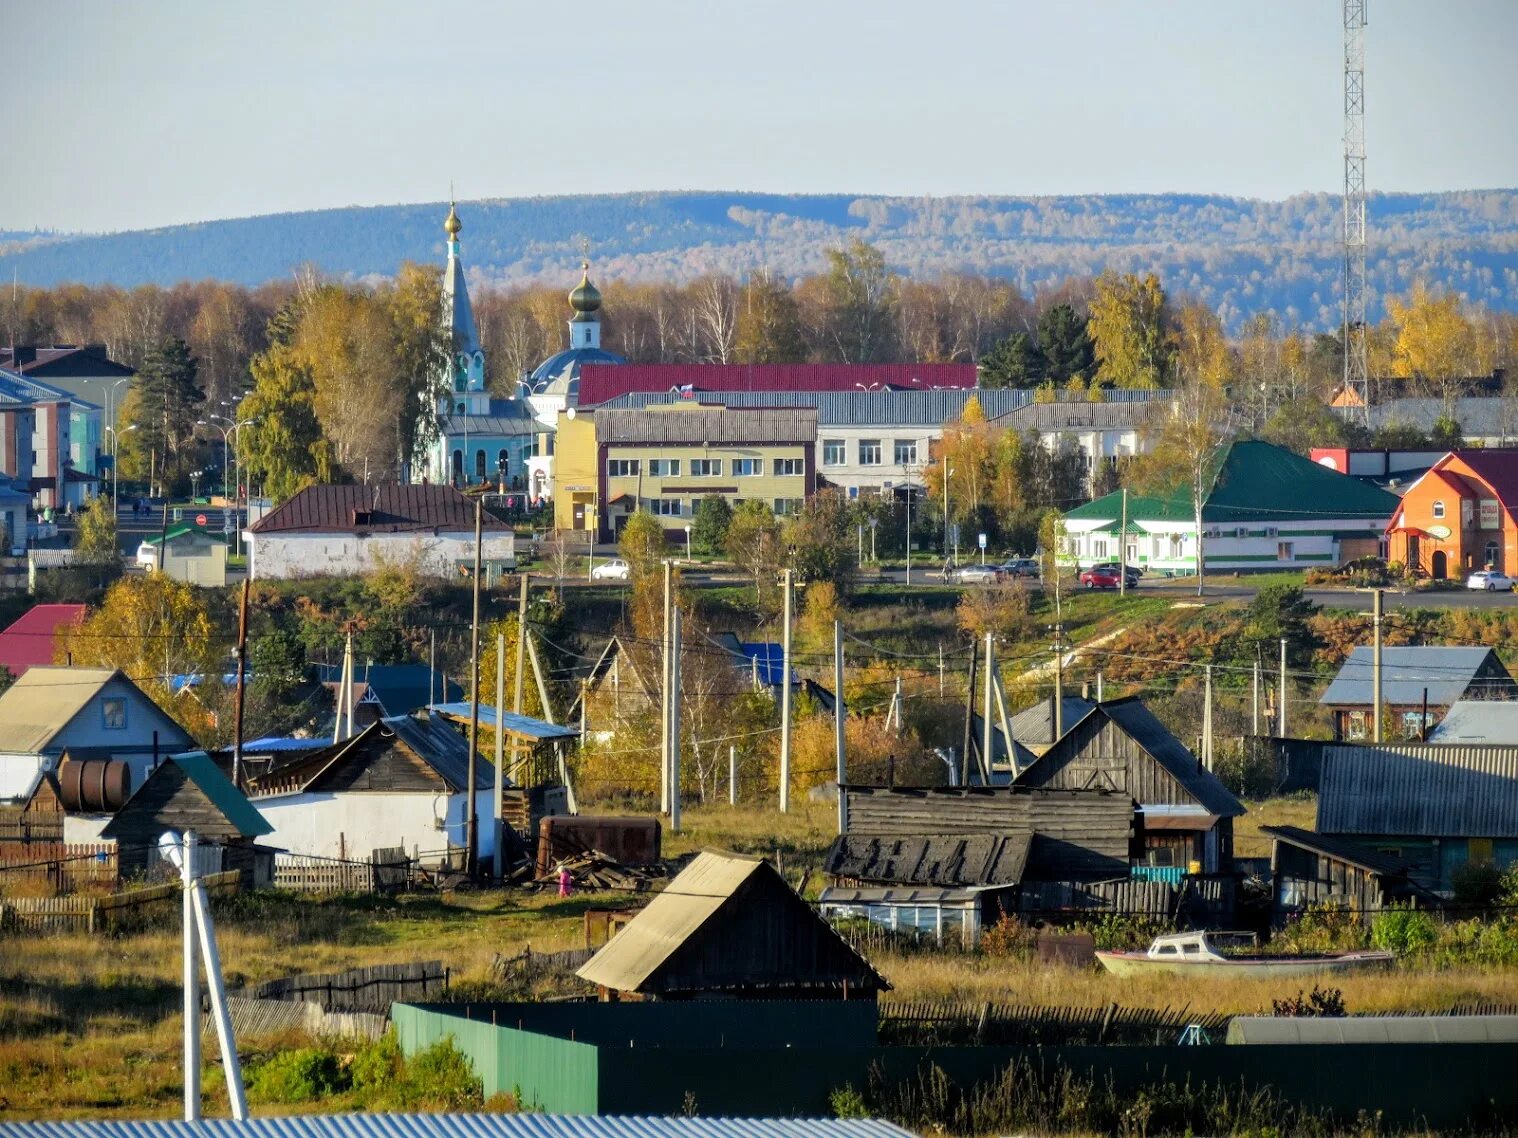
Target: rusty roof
pixel 392 507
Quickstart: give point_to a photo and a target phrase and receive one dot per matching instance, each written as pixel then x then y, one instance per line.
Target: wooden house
pixel 1309 869
pixel 1120 746
pixel 728 926
pixel 187 792
pixel 1418 683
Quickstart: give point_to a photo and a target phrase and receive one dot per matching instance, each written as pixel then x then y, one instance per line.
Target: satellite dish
pixel 570 413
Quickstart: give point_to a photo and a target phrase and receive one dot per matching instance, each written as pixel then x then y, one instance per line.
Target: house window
pixel 785 466
pixel 1176 543
pixel 479 463
pixel 1354 725
pixel 1438 509
pixel 502 462
pixel 458 464
pixel 622 468
pixel 1099 548
pixel 747 467
pixel 669 507
pixel 113 713
pixel 664 467
pixel 869 452
pixel 785 507
pixel 1412 724
pixel 1285 551
pixel 906 452
pixel 832 452
pixel 1491 553
pixel 706 468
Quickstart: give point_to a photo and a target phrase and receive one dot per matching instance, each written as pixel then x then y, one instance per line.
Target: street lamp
pixel 116 465
pixel 232 429
pixel 688 550
pixel 948 526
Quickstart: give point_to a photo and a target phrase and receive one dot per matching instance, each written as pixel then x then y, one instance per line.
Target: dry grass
pixel 1298 810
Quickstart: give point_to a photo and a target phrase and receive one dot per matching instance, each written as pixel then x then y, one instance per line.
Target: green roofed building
pixel 1266 508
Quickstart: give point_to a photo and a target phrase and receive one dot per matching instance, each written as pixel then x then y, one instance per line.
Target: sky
pixel 120 115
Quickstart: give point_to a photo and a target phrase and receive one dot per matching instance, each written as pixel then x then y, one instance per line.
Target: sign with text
pixel 1490 519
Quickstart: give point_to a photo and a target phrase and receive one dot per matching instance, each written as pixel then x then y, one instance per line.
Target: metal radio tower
pixel 1356 369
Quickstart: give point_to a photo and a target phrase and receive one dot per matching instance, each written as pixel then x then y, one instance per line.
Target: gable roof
pixel 391 507
pixel 1154 739
pixel 1478 721
pixel 182 529
pixel 1256 482
pixel 1419 791
pixel 399 688
pixel 949 860
pixel 32 638
pixel 703 426
pixel 1447 672
pixel 430 741
pixel 600 382
pixel 197 768
pixel 1497 468
pixel 45 700
pixel 1034 725
pixel 690 906
pixel 1340 849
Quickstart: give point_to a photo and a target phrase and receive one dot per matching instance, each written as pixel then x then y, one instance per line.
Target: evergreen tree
pixel 1013 362
pixel 167 400
pixel 708 531
pixel 1064 345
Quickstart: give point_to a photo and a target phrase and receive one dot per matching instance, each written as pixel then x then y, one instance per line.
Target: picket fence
pixel 275 1017
pixel 99 914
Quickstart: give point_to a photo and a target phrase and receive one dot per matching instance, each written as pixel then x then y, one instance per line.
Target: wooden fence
pixel 947 1023
pixel 361 989
pixel 527 964
pixel 98 914
pixel 304 873
pixel 26 829
pixel 275 1017
pixel 56 868
pixel 1195 899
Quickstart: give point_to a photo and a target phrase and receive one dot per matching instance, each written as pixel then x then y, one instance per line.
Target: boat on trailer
pixel 1231 954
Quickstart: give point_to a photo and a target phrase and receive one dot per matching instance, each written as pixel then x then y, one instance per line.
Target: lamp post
pixel 116 466
pixel 233 429
pixel 948 526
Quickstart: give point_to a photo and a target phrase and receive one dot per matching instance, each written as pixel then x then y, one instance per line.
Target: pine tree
pixel 1064 345
pixel 167 400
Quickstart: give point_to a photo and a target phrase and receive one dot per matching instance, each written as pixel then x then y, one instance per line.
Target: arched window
pixel 479 463
pixel 501 462
pixel 1492 553
pixel 1438 509
pixel 458 464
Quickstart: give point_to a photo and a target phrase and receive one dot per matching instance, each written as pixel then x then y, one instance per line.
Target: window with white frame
pixel 906 452
pixel 748 467
pixel 1285 551
pixel 669 507
pixel 833 452
pixel 1438 509
pixel 621 468
pixel 787 466
pixel 1099 548
pixel 785 507
pixel 664 467
pixel 869 452
pixel 113 712
pixel 706 468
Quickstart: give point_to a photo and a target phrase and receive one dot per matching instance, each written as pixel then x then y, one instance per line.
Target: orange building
pixel 1459 517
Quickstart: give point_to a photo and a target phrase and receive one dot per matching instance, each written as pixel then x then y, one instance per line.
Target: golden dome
pixel 585 297
pixel 452 224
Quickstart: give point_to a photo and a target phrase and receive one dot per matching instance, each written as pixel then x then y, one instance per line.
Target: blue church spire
pixel 468 359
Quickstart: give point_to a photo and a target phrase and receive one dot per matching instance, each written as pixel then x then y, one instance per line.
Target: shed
pixel 1316 869
pixel 944 916
pixel 1120 746
pixel 729 926
pixel 190 553
pixel 187 792
pixel 1478 721
pixel 1412 677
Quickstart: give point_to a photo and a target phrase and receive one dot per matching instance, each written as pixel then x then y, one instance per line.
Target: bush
pixel 438 1078
pixel 1477 883
pixel 1007 937
pixel 1403 931
pixel 1327 1003
pixel 846 1102
pixel 301 1075
pixel 377 1065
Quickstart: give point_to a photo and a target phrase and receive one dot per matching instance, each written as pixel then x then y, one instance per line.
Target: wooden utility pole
pixel 969 731
pixel 1122 549
pixel 516 695
pixel 664 684
pixel 242 683
pixel 674 729
pixel 498 788
pixel 1376 665
pixel 1207 717
pixel 1255 687
pixel 471 806
pixel 1059 682
pixel 838 713
pixel 785 698
pixel 985 716
pixel 1281 711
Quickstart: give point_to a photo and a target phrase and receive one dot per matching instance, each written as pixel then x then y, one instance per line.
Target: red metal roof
pixel 393 507
pixel 1497 468
pixel 33 638
pixel 600 382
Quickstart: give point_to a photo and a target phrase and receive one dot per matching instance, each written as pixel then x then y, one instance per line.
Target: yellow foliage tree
pixel 1127 324
pixel 1435 342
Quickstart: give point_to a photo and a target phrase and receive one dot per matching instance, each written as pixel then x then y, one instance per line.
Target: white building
pixel 343 530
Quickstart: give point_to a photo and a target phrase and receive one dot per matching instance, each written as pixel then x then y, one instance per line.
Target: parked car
pixel 1019 567
pixel 977 574
pixel 1490 580
pixel 614 570
pixel 1100 577
pixel 147 556
pixel 1134 572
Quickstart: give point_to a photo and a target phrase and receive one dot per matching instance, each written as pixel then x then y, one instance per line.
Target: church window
pixel 458 464
pixel 501 460
pixel 479 463
pixel 1438 509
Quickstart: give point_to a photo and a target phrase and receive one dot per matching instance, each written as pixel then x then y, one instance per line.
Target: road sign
pixel 200 519
pixel 982 541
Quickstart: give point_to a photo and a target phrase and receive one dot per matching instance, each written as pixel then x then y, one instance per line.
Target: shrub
pixel 1477 883
pixel 301 1075
pixel 1403 931
pixel 1324 1002
pixel 1007 937
pixel 377 1065
pixel 846 1102
pixel 437 1078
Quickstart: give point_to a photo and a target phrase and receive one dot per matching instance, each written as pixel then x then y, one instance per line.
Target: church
pixel 505 441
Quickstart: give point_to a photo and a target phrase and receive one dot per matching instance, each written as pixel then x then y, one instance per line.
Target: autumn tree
pixel 1127 327
pixel 163 404
pixel 858 295
pixel 753 544
pixel 420 356
pixel 769 329
pixel 643 547
pixel 284 450
pixel 819 540
pixel 1002 608
pixel 96 532
pixel 964 460
pixel 1434 341
pixel 152 628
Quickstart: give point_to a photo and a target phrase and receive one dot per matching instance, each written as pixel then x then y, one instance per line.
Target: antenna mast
pixel 1356 368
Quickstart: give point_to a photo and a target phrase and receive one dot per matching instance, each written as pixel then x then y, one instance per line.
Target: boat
pixel 1231 954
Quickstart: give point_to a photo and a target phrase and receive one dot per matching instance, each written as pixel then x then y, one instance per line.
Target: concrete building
pixel 344 530
pixel 1458 517
pixel 58 461
pixel 1101 433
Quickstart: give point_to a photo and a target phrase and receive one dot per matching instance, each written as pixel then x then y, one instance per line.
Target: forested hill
pixel 1241 256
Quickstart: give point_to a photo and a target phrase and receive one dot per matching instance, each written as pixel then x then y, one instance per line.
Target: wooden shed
pixel 187 792
pixel 1317 869
pixel 728 926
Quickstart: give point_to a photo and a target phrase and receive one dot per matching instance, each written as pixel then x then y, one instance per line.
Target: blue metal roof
pixel 1407 671
pixel 771 659
pixel 275 744
pixel 568 363
pixel 524 725
pixel 463 1126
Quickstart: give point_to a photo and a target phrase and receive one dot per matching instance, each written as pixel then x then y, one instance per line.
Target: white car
pixel 147 556
pixel 614 570
pixel 1489 580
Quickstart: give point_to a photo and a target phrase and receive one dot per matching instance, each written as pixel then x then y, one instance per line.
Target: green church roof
pixel 1255 481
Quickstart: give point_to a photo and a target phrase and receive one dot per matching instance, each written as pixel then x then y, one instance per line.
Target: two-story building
pixel 665 459
pixel 1459 516
pixel 59 458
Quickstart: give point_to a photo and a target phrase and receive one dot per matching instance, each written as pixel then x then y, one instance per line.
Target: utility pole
pixel 1098 687
pixel 242 683
pixel 471 806
pixel 732 774
pixel 1281 711
pixel 838 713
pixel 940 670
pixel 785 698
pixel 1059 682
pixel 985 715
pixel 1122 549
pixel 909 532
pixel 674 729
pixel 498 790
pixel 1255 689
pixel 1376 665
pixel 664 678
pixel 969 732
pixel 1207 717
pixel 521 661
pixel 191 986
pixel 431 667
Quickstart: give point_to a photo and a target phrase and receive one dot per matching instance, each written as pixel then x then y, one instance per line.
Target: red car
pixel 1100 577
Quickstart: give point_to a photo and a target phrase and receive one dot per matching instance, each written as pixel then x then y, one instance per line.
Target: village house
pixel 1458 517
pixel 1436 808
pixel 384 690
pixel 336 530
pixel 1264 508
pixel 1418 682
pixel 1478 721
pixel 1119 746
pixel 1103 434
pixel 35 636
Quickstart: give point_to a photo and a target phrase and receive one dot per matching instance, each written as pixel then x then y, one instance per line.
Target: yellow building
pixel 612 462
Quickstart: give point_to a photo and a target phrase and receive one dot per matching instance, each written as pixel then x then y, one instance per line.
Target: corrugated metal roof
pixel 392 507
pixel 600 382
pixel 442 748
pixel 43 702
pixel 755 425
pixel 1479 721
pixel 1406 670
pixel 524 725
pixel 1135 718
pixel 1340 849
pixel 232 803
pixel 1419 791
pixel 886 408
pixel 1082 415
pixel 946 860
pixel 525 1125
pixel 1373 1029
pixel 32 638
pixel 1035 724
pixel 848 895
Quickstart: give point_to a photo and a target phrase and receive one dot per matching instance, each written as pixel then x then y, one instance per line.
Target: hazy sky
pixel 122 115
